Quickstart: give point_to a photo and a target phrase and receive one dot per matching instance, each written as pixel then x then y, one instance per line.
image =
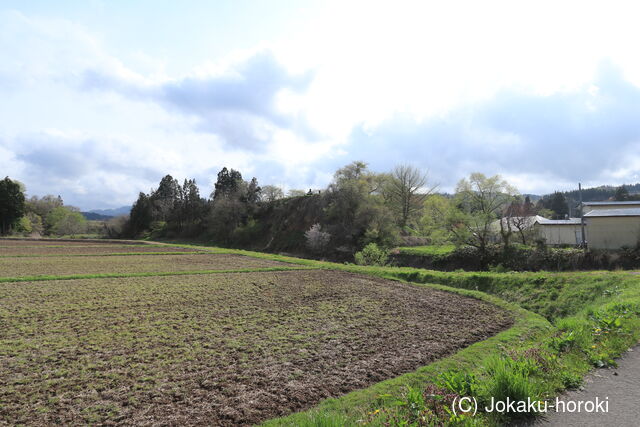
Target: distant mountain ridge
pixel 123 210
pixel 597 194
pixel 105 214
pixel 92 216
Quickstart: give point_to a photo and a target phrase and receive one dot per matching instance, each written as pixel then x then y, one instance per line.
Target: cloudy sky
pixel 100 99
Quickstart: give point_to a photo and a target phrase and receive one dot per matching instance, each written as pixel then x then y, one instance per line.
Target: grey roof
pixel 612 203
pixel 570 221
pixel 613 212
pixel 517 222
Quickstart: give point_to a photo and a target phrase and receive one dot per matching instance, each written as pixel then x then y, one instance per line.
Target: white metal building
pixel 606 205
pixel 559 231
pixel 613 228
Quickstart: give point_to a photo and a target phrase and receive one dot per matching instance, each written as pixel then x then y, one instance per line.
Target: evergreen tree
pixel 527 207
pixel 141 215
pixel 12 204
pixel 253 192
pixel 165 198
pixel 193 204
pixel 228 184
pixel 621 194
pixel 558 204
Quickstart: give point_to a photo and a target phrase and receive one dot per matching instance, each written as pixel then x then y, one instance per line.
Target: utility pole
pixel 584 242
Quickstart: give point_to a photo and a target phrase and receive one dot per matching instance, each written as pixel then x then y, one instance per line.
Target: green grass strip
pixel 433 250
pixel 101 255
pixel 100 245
pixel 42 278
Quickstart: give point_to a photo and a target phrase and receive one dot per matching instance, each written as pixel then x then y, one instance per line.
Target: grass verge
pixel 431 250
pixel 98 254
pixel 41 278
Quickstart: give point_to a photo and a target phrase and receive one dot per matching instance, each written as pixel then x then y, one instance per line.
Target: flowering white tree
pixel 317 240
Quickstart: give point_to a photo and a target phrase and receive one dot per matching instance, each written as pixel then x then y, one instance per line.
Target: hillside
pixel 92 216
pixel 122 210
pixel 280 225
pixel 595 194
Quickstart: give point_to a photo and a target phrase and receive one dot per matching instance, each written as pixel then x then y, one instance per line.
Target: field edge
pixel 527 327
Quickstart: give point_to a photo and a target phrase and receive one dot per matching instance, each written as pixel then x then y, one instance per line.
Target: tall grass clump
pixel 511 380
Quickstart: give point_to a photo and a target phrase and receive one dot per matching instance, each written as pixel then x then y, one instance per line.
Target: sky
pixel 100 99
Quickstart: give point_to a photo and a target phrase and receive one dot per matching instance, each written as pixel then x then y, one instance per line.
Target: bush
pixel 372 255
pixel 66 221
pixel 244 234
pixel 115 227
pixel 157 229
pixel 24 226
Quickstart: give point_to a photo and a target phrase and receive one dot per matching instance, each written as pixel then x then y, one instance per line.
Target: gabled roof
pixel 516 222
pixel 612 203
pixel 613 212
pixel 570 221
pixel 530 221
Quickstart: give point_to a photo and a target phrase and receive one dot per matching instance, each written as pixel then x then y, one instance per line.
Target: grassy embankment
pixel 566 324
pixel 431 250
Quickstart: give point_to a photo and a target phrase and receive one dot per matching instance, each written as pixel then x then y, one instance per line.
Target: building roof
pixel 570 221
pixel 612 203
pixel 613 212
pixel 529 221
pixel 517 222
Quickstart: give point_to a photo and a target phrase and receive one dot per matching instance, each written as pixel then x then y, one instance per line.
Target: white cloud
pixel 501 87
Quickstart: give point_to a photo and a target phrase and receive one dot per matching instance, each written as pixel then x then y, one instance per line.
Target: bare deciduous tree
pixel 406 190
pixel 271 193
pixel 481 200
pixel 521 218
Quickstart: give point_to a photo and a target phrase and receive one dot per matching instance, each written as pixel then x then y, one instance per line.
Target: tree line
pixel 36 216
pixel 358 207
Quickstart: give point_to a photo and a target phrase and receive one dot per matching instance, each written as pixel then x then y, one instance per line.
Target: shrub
pixel 245 234
pixel 115 227
pixel 372 255
pixel 65 220
pixel 157 228
pixel 24 226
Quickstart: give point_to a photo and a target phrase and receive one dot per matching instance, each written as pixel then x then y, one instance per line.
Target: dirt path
pixel 620 385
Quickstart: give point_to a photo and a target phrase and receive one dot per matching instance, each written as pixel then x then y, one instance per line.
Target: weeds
pixel 462 383
pixel 510 379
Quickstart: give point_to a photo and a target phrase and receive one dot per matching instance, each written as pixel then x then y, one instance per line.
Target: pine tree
pixel 141 215
pixel 558 204
pixel 621 194
pixel 228 184
pixel 12 204
pixel 165 198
